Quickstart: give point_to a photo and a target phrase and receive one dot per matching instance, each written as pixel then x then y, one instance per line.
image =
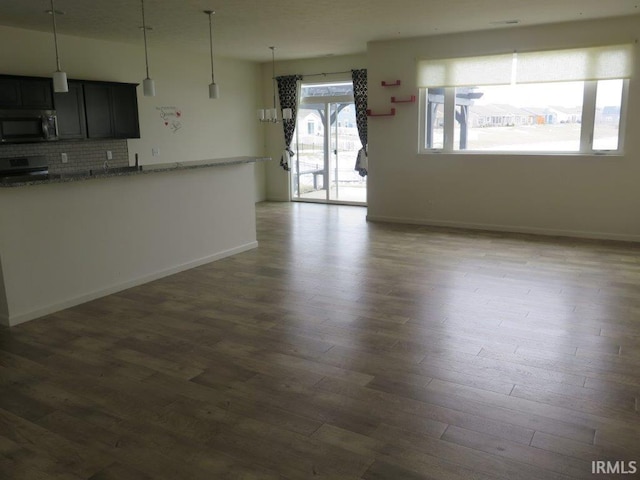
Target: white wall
pixel 277 180
pixel 568 195
pixel 4 307
pixel 220 128
pixel 67 243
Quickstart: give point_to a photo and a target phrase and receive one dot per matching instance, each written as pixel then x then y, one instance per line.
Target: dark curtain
pixel 360 99
pixel 288 95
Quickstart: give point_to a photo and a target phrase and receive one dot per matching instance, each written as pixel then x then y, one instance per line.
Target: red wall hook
pixel 410 99
pixel 390 114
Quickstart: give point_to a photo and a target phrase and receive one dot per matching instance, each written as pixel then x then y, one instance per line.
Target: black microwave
pixel 18 126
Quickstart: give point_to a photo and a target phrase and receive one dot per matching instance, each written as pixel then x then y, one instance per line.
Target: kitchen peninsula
pixel 69 239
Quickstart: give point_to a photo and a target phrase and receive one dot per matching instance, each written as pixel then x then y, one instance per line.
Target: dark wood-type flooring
pixel 339 349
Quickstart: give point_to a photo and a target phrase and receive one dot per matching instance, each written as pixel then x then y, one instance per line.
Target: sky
pixel 563 94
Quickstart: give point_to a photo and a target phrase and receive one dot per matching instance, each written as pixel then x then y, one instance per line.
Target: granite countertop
pixel 142 169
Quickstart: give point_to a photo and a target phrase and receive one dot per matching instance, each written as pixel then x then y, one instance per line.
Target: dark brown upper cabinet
pixel 88 110
pixel 72 122
pixel 25 93
pixel 111 110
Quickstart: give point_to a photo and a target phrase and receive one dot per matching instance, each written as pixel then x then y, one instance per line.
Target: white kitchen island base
pixel 65 243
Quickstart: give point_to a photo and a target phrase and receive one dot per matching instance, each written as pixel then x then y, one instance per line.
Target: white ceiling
pixel 298 28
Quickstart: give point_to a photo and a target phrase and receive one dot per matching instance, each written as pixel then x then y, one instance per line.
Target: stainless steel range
pixel 23 169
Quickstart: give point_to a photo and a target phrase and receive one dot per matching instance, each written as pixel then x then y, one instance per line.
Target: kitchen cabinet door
pixel 125 111
pixel 97 100
pixel 111 110
pixel 26 92
pixel 72 123
pixel 10 93
pixel 36 93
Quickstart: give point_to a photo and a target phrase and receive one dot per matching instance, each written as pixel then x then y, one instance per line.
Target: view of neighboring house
pixel 502 115
pixel 482 119
pixel 311 122
pixel 509 115
pixel 608 114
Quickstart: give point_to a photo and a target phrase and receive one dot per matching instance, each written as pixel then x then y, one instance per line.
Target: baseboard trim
pixel 507 229
pixel 13 320
pixel 277 199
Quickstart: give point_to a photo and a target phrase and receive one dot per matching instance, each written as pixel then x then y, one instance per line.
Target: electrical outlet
pixel 64 158
pixel 109 155
pixel 155 152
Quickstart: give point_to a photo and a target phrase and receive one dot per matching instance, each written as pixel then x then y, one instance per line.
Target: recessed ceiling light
pixel 58 12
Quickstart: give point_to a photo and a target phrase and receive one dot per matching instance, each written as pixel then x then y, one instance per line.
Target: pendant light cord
pixel 55 35
pixel 144 32
pixel 273 73
pixel 213 78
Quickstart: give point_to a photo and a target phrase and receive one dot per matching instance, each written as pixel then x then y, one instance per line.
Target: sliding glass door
pixel 326 146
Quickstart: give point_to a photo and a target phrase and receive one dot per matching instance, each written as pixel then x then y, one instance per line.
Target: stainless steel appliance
pixel 23 169
pixel 18 126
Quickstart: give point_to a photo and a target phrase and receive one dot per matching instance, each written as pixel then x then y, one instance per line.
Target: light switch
pixel 64 158
pixel 155 152
pixel 109 155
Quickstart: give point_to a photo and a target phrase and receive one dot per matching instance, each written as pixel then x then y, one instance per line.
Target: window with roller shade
pixel 562 101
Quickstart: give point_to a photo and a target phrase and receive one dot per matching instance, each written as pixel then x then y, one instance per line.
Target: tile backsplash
pixel 82 155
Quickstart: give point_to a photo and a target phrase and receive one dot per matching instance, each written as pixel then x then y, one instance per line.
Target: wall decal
pixel 171 118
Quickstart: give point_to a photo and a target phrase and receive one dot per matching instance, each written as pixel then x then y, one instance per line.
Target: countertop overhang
pixel 129 171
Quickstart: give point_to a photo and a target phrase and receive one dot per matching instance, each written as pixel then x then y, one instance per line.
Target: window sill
pixel 477 153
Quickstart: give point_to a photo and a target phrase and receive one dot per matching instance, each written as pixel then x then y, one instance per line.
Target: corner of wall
pixel 4 305
pixel 260 182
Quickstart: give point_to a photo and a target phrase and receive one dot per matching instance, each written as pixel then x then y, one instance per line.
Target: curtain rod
pixel 324 74
pixel 321 74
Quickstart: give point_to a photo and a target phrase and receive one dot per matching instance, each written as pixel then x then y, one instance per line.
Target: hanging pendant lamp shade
pixel 214 91
pixel 148 85
pixel 59 77
pixel 60 84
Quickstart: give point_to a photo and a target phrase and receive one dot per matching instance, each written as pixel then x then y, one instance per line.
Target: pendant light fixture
pixel 148 85
pixel 214 91
pixel 59 77
pixel 271 114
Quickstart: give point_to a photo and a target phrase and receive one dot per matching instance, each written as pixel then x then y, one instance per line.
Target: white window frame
pixel 587 64
pixel 586 131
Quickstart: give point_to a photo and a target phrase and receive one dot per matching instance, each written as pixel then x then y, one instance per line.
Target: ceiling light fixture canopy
pixel 148 85
pixel 271 114
pixel 60 84
pixel 214 91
